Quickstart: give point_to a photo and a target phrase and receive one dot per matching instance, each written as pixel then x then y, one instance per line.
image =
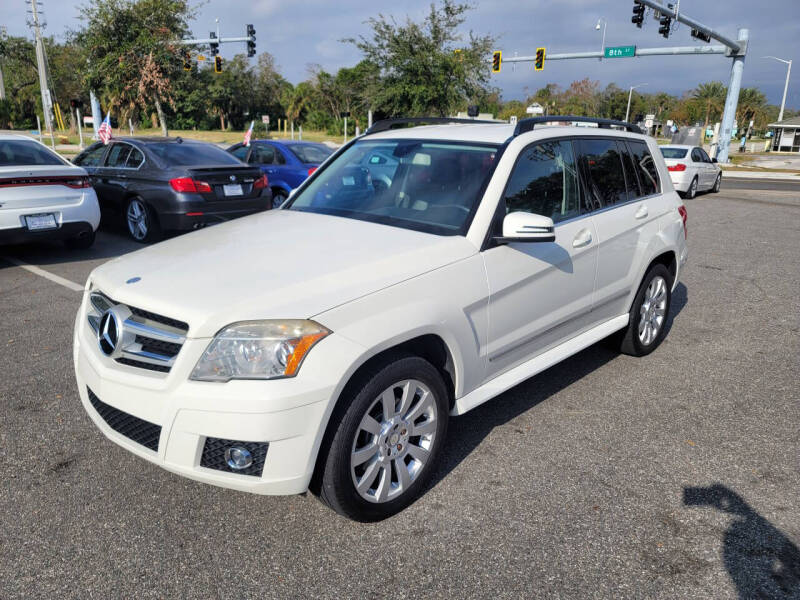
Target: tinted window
pixel 602 164
pixel 91 158
pixel 704 156
pixel 118 155
pixel 673 152
pixel 135 158
pixel 645 168
pixel 175 154
pixel 630 171
pixel 263 155
pixel 280 159
pixel 696 157
pixel 308 153
pixel 23 153
pixel 434 186
pixel 545 182
pixel 240 152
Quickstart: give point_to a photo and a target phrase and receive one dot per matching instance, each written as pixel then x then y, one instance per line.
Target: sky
pixel 308 32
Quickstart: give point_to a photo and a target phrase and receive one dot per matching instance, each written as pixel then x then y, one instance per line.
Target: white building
pixel 786 136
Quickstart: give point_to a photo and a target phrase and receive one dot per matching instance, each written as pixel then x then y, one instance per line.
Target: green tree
pixel 752 106
pixel 132 57
pixel 419 70
pixel 711 96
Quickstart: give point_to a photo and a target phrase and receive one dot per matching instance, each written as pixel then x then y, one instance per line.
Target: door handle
pixel 582 238
pixel 642 212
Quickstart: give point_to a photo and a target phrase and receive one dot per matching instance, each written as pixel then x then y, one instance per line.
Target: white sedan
pixel 691 170
pixel 44 197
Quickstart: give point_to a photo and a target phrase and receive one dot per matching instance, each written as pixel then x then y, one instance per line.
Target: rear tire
pixel 691 191
pixel 648 317
pixel 278 198
pixel 381 452
pixel 81 242
pixel 141 221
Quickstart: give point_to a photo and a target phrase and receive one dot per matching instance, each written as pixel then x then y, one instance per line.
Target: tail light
pixel 78 183
pixel 682 211
pixel 311 171
pixel 187 184
pixel 678 167
pixel 75 183
pixel 261 183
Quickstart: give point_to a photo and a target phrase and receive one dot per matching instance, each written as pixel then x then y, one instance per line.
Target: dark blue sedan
pixel 286 163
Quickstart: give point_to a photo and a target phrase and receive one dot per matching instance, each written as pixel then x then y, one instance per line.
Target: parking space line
pixel 46 274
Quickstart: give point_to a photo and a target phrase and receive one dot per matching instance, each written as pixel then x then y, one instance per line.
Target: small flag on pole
pixel 105 129
pixel 248 134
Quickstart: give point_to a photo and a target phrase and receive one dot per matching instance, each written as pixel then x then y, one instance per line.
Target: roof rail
pixel 387 124
pixel 526 125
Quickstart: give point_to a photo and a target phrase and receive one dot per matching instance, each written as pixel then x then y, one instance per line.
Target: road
pixel 670 476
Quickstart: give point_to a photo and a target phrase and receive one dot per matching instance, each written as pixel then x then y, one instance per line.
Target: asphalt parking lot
pixel 676 475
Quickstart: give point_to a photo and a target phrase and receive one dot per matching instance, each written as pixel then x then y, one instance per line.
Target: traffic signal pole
pixel 735 49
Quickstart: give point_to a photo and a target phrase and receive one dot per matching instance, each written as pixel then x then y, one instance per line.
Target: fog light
pixel 238 458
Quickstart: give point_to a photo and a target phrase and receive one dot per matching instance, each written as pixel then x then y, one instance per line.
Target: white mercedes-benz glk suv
pixel 324 345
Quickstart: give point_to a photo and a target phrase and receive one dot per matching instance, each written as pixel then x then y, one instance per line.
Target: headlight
pixel 258 350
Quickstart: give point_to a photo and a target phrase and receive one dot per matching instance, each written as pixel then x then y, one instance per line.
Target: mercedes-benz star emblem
pixel 108 332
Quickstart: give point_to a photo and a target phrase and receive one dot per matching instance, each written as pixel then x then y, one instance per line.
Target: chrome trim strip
pixel 149 357
pixel 153 333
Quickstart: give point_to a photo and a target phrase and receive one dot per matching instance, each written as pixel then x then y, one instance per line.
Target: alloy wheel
pixel 393 441
pixel 653 311
pixel 136 217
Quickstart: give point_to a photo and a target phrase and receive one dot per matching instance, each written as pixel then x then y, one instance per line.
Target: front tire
pixel 717 184
pixel 387 441
pixel 648 317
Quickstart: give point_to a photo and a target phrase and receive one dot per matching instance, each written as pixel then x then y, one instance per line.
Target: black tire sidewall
pixel 153 228
pixel 632 344
pixel 338 490
pixel 717 184
pixel 689 193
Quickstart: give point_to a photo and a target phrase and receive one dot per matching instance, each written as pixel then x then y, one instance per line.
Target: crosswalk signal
pixel 251 43
pixel 497 60
pixel 666 24
pixel 217 64
pixel 538 64
pixel 638 14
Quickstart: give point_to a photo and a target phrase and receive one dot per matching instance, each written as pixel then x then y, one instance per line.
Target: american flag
pixel 105 130
pixel 248 134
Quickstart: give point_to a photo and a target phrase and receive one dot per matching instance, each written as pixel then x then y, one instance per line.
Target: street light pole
pixel 603 43
pixel 786 85
pixel 630 93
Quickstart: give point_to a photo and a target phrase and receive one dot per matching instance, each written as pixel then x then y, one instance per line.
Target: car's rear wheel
pixel 81 242
pixel 691 192
pixel 648 317
pixel 278 197
pixel 386 442
pixel 141 221
pixel 717 184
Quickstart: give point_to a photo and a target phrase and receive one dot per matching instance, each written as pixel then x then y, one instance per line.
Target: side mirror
pixel 527 227
pixel 713 160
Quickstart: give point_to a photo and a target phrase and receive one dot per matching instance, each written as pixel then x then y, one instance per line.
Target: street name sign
pixel 620 52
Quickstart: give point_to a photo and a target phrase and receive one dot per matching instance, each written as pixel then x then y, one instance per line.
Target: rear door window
pixel 605 179
pixel 630 172
pixel 545 182
pixel 263 155
pixel 645 167
pixel 118 155
pixel 241 152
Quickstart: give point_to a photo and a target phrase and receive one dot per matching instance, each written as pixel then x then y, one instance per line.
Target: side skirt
pixel 537 364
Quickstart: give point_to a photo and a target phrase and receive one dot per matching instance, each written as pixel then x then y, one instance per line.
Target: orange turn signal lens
pixel 300 350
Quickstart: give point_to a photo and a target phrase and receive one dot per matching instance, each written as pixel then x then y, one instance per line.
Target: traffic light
pixel 213 44
pixel 497 60
pixel 251 43
pixel 665 23
pixel 217 64
pixel 76 103
pixel 704 37
pixel 187 62
pixel 538 64
pixel 638 14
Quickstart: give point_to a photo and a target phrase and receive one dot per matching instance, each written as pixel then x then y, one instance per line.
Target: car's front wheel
pixel 386 442
pixel 717 184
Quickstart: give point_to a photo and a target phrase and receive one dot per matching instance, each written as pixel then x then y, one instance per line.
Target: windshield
pixel 23 153
pixel 175 154
pixel 673 152
pixel 422 185
pixel 308 153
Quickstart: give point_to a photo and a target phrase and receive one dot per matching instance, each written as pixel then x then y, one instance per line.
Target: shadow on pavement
pixel 762 561
pixel 466 432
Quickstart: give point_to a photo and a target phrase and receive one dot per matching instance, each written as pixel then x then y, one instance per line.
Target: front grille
pixel 146 340
pixel 214 456
pixel 140 431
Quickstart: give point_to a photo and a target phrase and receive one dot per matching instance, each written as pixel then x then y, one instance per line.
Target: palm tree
pixel 712 96
pixel 752 105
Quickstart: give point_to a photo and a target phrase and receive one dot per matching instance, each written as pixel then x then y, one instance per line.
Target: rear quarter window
pixel 645 168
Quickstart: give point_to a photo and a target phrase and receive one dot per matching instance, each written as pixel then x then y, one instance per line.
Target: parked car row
pixel 154 184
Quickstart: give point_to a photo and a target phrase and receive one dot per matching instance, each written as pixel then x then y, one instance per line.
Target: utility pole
pixel 630 93
pixel 41 63
pixel 3 31
pixel 785 86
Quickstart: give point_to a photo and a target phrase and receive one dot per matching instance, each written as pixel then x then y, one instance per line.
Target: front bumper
pixel 288 414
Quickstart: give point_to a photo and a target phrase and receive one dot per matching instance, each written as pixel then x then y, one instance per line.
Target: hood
pixel 280 264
